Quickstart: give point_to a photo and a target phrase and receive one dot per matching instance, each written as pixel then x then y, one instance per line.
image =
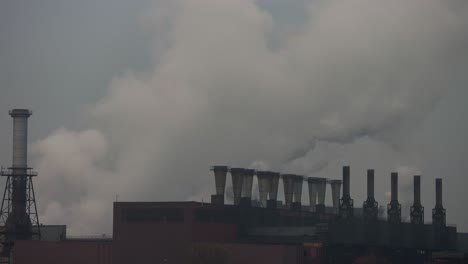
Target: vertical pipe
pixel 321 189
pixel 439 192
pixel 298 180
pixel 263 186
pixel 394 186
pixel 346 183
pixel 370 183
pixel 417 190
pixel 237 175
pixel 274 182
pixel 247 183
pixel 220 173
pixel 312 183
pixel 335 188
pixel 288 185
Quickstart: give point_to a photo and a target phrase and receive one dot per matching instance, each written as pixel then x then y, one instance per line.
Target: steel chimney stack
pixel 312 183
pixel 394 207
pixel 273 189
pixel 288 186
pixel 438 213
pixel 263 186
pixel 335 189
pixel 237 175
pixel 297 192
pixel 346 203
pixel 220 173
pixel 370 206
pixel 18 213
pixel 417 210
pixel 246 198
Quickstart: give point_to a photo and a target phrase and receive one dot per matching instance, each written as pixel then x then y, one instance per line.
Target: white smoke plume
pixel 219 94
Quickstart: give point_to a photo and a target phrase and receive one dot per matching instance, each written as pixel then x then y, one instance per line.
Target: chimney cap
pixel 249 171
pixel 237 170
pixel 220 168
pixel 20 113
pixel 315 179
pixel 335 181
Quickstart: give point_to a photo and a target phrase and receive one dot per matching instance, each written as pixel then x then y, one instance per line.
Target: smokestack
pixel 237 175
pixel 246 199
pixel 439 192
pixel 298 188
pixel 438 213
pixel 370 184
pixel 417 190
pixel 346 203
pixel 394 208
pixel 274 182
pixel 346 183
pixel 370 206
pixel 336 189
pixel 312 182
pixel 394 186
pixel 220 173
pixel 417 210
pixel 263 186
pixel 247 183
pixel 288 184
pixel 19 184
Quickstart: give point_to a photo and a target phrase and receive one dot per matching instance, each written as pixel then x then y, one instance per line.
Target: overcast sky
pixel 139 98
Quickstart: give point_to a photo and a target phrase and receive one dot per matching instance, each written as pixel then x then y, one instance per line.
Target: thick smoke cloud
pixel 219 94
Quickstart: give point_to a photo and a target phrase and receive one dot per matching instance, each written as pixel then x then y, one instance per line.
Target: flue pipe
pixel 298 180
pixel 288 184
pixel 263 186
pixel 417 190
pixel 336 189
pixel 370 184
pixel 274 182
pixel 220 173
pixel 346 183
pixel 439 192
pixel 394 186
pixel 247 183
pixel 237 175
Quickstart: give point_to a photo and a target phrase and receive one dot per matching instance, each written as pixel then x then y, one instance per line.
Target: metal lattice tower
pixel 346 207
pixel 394 207
pixel 18 212
pixel 417 210
pixel 370 206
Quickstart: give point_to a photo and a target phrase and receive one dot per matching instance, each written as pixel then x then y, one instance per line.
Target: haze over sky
pixel 139 98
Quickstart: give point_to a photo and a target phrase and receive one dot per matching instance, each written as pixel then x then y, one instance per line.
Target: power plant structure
pixel 18 213
pixel 244 230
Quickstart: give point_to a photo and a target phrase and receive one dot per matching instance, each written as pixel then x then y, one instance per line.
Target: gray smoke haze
pixel 359 72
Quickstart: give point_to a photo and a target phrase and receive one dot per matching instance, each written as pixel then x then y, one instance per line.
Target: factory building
pixel 244 231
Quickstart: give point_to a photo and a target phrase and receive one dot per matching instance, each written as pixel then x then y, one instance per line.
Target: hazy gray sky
pixel 140 98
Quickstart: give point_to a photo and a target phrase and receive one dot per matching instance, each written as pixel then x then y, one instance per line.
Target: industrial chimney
pixel 288 184
pixel 19 212
pixel 438 213
pixel 273 189
pixel 335 189
pixel 220 173
pixel 394 207
pixel 417 210
pixel 263 186
pixel 346 203
pixel 312 183
pixel 370 206
pixel 237 175
pixel 297 190
pixel 246 198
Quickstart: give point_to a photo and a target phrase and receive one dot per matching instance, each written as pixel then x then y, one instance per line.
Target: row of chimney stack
pixel 268 181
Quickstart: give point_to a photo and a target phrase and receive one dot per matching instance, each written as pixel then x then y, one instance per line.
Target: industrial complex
pixel 246 230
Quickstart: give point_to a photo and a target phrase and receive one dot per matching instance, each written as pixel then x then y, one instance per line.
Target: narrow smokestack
pixel 438 213
pixel 346 183
pixel 312 183
pixel 237 175
pixel 346 207
pixel 288 184
pixel 247 183
pixel 394 208
pixel 274 182
pixel 417 210
pixel 220 173
pixel 417 190
pixel 439 193
pixel 370 184
pixel 336 189
pixel 394 186
pixel 263 186
pixel 20 138
pixel 370 206
pixel 298 180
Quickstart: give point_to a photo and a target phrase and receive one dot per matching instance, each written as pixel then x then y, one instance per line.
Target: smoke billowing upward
pixel 219 94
